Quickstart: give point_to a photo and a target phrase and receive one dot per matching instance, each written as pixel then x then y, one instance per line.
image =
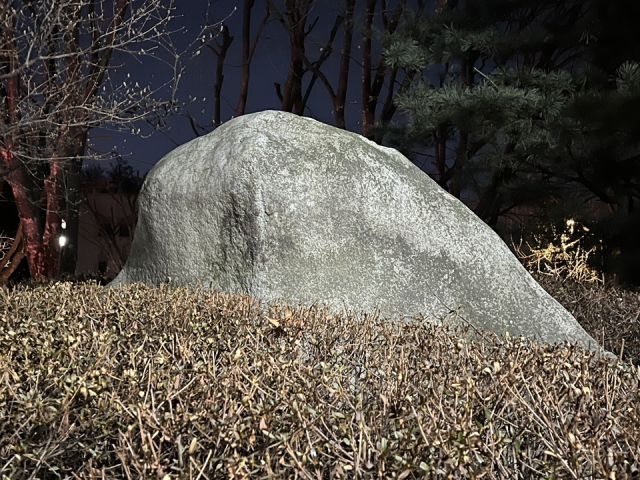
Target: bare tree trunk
pixel 455 186
pixel 248 49
pixel 42 244
pixel 13 257
pixel 345 61
pixel 373 77
pixel 368 116
pixel 372 84
pixel 221 55
pixel 292 95
pixel 295 23
pixel 41 247
pixel 246 44
pixel 440 151
pixel 467 80
pixel 338 99
pixel 53 60
pixel 488 208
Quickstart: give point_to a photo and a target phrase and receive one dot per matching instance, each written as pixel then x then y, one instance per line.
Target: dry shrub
pixel 561 263
pixel 611 314
pixel 170 383
pixel 560 255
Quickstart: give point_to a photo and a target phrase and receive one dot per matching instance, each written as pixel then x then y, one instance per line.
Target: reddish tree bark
pixel 12 257
pixel 60 76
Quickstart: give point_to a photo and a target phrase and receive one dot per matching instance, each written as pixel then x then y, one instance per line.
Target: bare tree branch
pixel 57 82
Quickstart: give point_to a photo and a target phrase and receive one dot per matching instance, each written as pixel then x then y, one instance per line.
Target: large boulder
pixel 285 207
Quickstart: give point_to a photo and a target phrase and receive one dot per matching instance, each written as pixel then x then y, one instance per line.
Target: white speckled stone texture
pixel 285 207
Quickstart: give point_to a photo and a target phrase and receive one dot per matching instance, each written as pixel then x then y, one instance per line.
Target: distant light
pixel 64 224
pixel 62 240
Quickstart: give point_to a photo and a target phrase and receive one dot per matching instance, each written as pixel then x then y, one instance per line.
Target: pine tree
pixel 519 105
pixel 607 166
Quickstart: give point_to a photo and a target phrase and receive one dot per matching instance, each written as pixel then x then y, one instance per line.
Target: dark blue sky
pixel 269 65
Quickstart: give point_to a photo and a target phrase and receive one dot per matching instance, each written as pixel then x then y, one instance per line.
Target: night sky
pixel 269 65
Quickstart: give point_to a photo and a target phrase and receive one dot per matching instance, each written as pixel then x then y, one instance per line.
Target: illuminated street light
pixel 63 240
